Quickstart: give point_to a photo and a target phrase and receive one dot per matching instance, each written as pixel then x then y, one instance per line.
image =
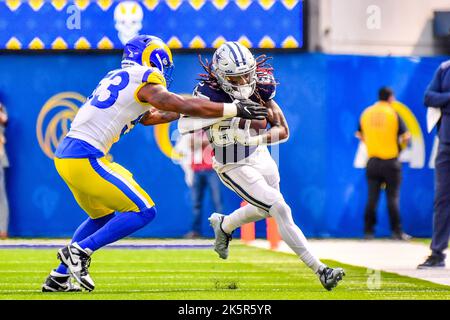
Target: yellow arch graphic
pixel 48 139
pixel 162 137
pixel 416 156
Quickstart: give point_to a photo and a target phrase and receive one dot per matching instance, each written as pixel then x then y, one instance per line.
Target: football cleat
pixel 78 261
pixel 57 282
pixel 330 277
pixel 222 239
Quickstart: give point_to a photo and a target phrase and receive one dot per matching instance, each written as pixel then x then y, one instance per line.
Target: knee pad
pixel 148 214
pixel 280 209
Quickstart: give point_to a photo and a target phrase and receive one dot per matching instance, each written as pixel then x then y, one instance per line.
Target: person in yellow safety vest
pixel 384 133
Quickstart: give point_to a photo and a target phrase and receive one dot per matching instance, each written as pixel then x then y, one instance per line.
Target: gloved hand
pixel 241 135
pixel 248 109
pixel 244 136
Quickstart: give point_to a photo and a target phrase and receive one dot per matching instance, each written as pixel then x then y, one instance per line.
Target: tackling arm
pixel 158 96
pixel 155 116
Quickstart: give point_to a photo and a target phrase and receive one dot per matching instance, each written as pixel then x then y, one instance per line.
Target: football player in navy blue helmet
pixel 241 157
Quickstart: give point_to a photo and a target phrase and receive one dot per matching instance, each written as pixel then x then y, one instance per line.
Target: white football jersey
pixel 113 109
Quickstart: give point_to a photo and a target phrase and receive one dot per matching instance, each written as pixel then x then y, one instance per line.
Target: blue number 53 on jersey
pixel 111 91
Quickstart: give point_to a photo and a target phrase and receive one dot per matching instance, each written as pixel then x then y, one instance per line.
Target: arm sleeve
pixel 191 124
pixel 433 95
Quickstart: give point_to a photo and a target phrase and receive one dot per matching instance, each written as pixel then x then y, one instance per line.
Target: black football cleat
pixel 57 282
pixel 78 261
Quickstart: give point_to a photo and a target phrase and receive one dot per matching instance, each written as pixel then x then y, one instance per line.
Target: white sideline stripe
pixel 400 257
pixel 118 176
pixel 127 241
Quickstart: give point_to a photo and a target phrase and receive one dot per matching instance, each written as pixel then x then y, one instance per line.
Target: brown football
pixel 257 126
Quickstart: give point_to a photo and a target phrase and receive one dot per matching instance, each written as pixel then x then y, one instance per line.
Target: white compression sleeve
pixel 241 216
pixel 293 236
pixel 191 124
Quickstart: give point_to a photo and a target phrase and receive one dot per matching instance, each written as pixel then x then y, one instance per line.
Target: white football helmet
pixel 235 69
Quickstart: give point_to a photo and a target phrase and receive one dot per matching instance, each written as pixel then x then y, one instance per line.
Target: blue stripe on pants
pixel 118 183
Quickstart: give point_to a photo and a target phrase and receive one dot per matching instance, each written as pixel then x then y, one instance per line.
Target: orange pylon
pixel 272 233
pixel 248 231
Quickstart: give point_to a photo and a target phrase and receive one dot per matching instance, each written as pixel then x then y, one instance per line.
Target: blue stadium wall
pixel 322 96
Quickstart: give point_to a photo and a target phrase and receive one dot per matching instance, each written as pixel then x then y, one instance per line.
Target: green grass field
pixel 249 273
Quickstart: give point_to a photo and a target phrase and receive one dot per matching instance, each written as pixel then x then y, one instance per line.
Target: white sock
pixel 241 216
pixel 293 236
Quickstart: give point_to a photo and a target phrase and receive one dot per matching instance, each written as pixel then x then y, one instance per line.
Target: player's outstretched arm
pixel 158 96
pixel 155 116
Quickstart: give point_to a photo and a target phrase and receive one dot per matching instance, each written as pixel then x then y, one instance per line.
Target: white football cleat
pixel 57 282
pixel 222 239
pixel 78 261
pixel 329 277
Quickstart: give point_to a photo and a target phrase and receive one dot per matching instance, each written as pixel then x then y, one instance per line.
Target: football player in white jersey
pixel 117 206
pixel 241 157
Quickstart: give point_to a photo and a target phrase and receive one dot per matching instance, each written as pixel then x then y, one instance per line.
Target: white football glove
pixel 243 136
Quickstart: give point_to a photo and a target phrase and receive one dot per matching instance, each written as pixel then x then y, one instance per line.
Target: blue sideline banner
pixel 322 95
pixel 109 24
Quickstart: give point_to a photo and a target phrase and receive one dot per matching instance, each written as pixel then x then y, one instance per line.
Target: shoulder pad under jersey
pixel 141 74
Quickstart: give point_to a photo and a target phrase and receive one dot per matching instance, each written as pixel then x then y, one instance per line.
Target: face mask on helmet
pixel 161 59
pixel 239 86
pixel 167 70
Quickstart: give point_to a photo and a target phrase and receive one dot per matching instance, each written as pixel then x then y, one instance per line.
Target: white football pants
pixel 257 182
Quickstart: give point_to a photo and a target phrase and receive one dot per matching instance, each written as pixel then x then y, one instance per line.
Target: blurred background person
pixel 204 177
pixel 383 132
pixel 4 209
pixel 183 148
pixel 437 95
